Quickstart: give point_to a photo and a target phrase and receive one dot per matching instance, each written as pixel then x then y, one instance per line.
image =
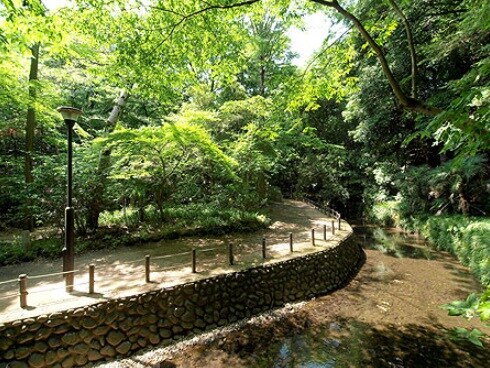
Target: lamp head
pixel 69 113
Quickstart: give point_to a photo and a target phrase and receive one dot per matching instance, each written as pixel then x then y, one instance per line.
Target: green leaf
pixel 475 336
pixel 484 310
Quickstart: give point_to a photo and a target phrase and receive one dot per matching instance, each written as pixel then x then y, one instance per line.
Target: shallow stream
pixel 352 343
pixel 389 315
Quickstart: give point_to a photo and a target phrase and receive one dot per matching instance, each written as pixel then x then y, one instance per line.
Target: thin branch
pixel 325 50
pixel 171 11
pixel 185 17
pixel 411 46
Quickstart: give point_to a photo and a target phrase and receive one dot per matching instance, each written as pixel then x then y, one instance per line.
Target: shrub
pixel 385 213
pixel 15 252
pixel 197 216
pixel 466 237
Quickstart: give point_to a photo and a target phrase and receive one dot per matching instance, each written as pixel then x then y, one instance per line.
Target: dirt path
pixel 121 272
pixel 388 316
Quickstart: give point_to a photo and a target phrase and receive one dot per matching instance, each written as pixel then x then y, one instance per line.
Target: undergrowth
pixel 115 232
pixel 466 237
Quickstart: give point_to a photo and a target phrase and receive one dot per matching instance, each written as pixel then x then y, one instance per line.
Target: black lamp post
pixel 70 116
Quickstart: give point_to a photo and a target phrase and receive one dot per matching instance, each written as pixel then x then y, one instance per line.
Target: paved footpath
pixel 121 272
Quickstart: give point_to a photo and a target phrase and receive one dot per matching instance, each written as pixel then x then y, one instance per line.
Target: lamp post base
pixel 68 250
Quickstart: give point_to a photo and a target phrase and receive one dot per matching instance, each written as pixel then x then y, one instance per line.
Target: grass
pixel 122 228
pixel 181 221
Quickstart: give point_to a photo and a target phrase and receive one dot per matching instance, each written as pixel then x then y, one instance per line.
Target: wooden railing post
pixel 339 222
pixel 194 261
pixel 147 268
pixel 91 278
pixel 324 232
pixel 23 290
pixel 312 236
pixel 291 242
pixel 264 248
pixel 333 227
pixel 230 254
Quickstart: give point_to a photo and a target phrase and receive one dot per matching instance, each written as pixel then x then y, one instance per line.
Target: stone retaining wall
pixel 120 327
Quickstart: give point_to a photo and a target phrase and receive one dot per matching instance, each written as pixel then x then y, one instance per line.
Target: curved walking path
pixel 121 272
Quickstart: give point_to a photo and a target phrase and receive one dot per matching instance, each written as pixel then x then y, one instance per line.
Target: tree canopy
pixel 394 104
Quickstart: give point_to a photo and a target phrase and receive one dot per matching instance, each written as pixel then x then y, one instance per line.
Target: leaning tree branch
pixel 407 102
pixel 411 45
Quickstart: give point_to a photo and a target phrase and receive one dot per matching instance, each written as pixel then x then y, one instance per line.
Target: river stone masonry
pixel 120 327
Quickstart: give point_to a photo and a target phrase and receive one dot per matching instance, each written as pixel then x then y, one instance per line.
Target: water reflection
pixel 393 242
pixel 362 345
pixel 303 351
pixel 336 345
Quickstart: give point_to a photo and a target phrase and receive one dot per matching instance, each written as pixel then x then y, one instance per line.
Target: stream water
pixel 351 342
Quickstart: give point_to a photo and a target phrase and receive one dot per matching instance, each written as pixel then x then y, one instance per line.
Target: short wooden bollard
pixel 312 236
pixel 340 220
pixel 194 261
pixel 147 268
pixel 230 254
pixel 324 232
pixel 291 242
pixel 264 245
pixel 333 227
pixel 23 290
pixel 91 278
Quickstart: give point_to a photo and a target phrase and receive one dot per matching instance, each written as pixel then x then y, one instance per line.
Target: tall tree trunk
pixel 30 130
pixel 96 197
pixel 463 204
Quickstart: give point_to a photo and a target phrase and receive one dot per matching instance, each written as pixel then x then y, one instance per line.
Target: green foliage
pixel 473 306
pixel 466 237
pixel 456 186
pixel 195 216
pixel 16 252
pixel 462 127
pixel 384 213
pixel 174 162
pixel 474 336
pixel 466 308
pixel 235 115
pixel 484 306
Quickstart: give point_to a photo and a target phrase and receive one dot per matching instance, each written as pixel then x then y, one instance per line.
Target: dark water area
pixel 350 343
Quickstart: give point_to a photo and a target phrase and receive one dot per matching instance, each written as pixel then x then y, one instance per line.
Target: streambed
pixel 388 316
